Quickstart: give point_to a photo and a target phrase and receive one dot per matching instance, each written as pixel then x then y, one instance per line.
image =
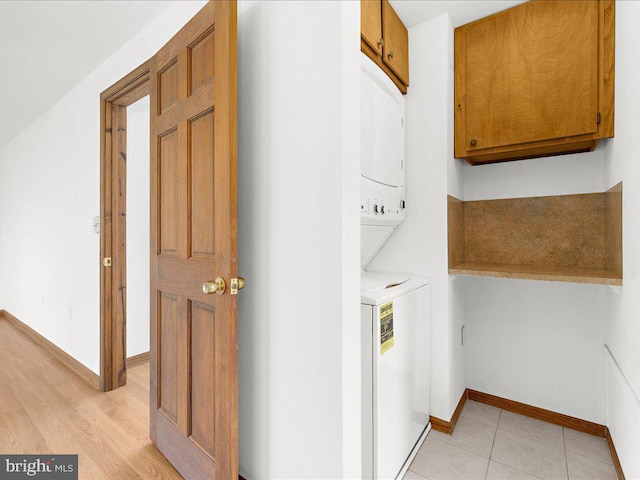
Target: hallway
pixel 46 408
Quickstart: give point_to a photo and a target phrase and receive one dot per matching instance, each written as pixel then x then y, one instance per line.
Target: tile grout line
pixel 591 458
pixel 523 436
pixel 529 437
pixel 458 447
pixel 516 469
pixel 518 431
pixel 415 473
pixel 495 434
pixel 564 444
pixel 477 420
pixel 452 444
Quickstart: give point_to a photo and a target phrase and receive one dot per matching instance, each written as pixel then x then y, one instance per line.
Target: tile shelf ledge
pixel 533 272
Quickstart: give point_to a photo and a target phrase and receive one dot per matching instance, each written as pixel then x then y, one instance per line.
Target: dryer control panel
pixel 381 204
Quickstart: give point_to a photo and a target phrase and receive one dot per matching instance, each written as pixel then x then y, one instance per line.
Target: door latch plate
pixel 237 284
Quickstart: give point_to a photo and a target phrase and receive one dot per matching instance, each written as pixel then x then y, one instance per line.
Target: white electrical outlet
pixel 96 224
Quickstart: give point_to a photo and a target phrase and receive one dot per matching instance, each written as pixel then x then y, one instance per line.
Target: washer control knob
pixel 382 209
pixel 375 209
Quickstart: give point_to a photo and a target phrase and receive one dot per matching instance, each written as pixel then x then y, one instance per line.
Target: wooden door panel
pixel 169 225
pixel 514 103
pixel 202 379
pixel 194 220
pixel 168 317
pixel 201 60
pixel 168 86
pixel 371 23
pixel 201 195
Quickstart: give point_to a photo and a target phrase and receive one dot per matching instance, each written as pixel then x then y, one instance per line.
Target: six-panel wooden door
pixel 194 413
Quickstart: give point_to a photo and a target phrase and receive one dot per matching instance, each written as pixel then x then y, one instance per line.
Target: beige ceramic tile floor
pixel 490 443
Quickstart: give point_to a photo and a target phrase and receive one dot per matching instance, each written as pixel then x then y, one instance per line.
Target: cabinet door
pixel 396 43
pixel 371 24
pixel 530 74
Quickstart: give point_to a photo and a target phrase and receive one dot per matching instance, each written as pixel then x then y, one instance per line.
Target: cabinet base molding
pixel 66 359
pixel 443 426
pixel 532 150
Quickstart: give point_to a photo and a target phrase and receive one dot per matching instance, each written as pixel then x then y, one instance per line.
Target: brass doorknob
pixel 217 286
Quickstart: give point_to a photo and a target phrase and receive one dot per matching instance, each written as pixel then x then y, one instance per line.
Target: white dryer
pixel 382 200
pixel 395 371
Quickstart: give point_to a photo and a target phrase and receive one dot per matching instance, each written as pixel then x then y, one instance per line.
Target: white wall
pixel 455 188
pixel 299 245
pixel 623 416
pixel 538 177
pixel 138 210
pixel 50 193
pixel 350 261
pixel 523 336
pixel 537 342
pixel 419 244
pixel 623 305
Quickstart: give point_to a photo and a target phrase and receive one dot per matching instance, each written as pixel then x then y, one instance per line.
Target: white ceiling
pixel 47 47
pixel 413 12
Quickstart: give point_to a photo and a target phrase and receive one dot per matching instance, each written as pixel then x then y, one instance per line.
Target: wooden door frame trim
pixel 113 103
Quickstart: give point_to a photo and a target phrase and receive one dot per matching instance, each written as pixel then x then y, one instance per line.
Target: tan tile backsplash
pixel 558 234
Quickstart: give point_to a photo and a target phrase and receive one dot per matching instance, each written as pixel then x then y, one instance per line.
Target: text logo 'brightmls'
pixel 49 467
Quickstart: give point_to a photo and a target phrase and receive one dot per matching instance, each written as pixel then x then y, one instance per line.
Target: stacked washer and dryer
pixel 394 306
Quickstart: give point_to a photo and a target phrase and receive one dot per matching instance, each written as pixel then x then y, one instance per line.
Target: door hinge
pixel 106 261
pixel 598 118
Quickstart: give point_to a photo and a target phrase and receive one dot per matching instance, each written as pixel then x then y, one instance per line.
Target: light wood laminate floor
pixel 46 408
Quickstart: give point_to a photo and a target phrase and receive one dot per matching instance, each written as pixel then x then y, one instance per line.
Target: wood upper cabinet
pixel 385 40
pixel 371 24
pixel 396 42
pixel 535 80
